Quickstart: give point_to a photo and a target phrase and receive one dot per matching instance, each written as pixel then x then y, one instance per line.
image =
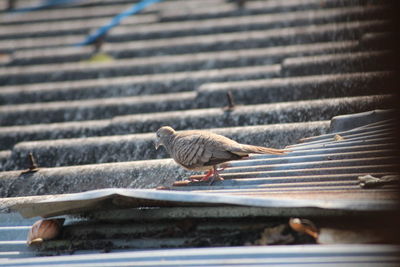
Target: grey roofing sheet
pixel 328 255
pixel 312 175
pixel 80 202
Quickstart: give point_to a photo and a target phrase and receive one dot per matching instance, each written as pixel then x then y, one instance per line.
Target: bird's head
pixel 163 135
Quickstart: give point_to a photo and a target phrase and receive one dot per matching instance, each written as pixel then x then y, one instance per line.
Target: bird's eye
pixel 158 134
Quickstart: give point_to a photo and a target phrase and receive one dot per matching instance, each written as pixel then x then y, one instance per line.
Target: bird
pixel 200 150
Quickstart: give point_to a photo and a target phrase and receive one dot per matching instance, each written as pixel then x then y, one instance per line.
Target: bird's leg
pixel 205 177
pixel 216 176
pixel 212 175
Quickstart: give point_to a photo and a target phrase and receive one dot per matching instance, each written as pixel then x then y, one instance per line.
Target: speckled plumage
pixel 202 150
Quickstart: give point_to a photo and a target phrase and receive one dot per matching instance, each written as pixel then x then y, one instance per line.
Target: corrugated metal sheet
pixel 316 171
pixel 318 178
pixel 338 255
pixel 329 164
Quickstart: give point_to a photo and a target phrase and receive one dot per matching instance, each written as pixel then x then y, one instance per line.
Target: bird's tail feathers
pixel 263 150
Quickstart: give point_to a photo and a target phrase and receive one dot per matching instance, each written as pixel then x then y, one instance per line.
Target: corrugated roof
pixel 338 255
pixel 312 175
pixel 289 67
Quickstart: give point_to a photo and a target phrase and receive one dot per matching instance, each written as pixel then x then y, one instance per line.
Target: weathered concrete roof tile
pixel 93 109
pixel 339 63
pixel 117 148
pixel 297 88
pixel 213 42
pixel 110 73
pixel 297 111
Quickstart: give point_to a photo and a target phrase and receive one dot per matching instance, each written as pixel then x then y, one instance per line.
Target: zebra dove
pixel 202 150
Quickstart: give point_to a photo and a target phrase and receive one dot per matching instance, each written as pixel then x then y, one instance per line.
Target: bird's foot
pixel 206 176
pixel 214 177
pixel 211 176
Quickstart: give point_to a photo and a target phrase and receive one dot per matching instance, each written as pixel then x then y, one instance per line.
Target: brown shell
pixel 44 230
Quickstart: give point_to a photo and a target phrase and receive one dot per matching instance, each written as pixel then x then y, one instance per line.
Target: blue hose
pixel 136 8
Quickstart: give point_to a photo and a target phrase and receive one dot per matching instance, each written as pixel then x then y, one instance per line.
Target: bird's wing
pixel 197 150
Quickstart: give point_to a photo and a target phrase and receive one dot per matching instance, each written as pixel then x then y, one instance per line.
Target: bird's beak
pixel 157 144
